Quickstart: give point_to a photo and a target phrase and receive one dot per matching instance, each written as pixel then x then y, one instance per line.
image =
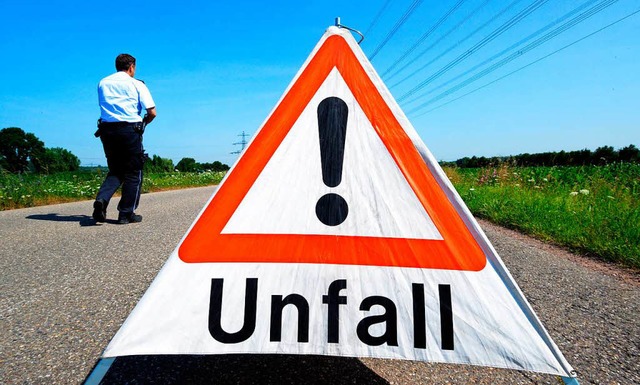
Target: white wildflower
pixel 573 193
pixel 584 192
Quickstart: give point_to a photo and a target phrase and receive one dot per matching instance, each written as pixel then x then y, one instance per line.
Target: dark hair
pixel 124 61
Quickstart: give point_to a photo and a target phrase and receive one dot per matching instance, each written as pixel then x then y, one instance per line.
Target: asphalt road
pixel 67 285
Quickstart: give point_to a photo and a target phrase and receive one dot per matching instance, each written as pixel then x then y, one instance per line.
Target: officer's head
pixel 124 61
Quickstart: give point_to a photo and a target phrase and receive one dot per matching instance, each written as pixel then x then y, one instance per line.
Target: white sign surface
pixel 337 233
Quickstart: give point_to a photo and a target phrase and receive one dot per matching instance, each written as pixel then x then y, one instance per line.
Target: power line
pixel 497 32
pixel 492 58
pixel 536 43
pixel 464 39
pixel 415 4
pixel 532 63
pixel 486 40
pixel 377 17
pixel 435 43
pixel 422 38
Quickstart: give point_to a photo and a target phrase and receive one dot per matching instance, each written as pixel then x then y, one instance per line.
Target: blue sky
pixel 218 68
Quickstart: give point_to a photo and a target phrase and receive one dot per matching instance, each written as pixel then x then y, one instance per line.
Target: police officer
pixel 122 101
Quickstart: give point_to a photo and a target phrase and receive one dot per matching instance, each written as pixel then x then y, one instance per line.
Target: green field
pixel 26 190
pixel 590 209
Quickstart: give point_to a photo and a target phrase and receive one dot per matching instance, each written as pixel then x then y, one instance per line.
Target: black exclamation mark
pixel 332 209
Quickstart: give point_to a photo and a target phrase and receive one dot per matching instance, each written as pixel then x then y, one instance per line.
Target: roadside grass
pixel 590 209
pixel 27 190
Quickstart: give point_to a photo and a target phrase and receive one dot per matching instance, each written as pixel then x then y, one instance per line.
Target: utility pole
pixel 242 143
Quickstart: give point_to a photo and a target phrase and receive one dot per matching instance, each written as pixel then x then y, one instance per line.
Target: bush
pixel 58 160
pixel 19 151
pixel 186 165
pixel 157 164
pixel 22 151
pixel 190 165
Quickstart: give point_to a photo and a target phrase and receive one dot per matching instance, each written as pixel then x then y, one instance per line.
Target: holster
pixel 139 127
pixel 98 133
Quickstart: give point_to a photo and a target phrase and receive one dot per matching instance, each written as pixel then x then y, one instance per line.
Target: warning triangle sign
pixel 333 122
pixel 338 233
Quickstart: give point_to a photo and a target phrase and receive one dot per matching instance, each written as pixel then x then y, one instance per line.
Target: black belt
pixel 137 127
pixel 120 124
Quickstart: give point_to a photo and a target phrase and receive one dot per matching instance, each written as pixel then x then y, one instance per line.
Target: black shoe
pixel 131 218
pixel 99 210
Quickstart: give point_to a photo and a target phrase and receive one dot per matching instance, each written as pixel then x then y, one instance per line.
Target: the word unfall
pixel 333 300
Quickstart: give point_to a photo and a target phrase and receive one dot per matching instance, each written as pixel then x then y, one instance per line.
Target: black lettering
pixel 333 299
pixel 446 317
pixel 215 313
pixel 277 306
pixel 419 318
pixel 390 336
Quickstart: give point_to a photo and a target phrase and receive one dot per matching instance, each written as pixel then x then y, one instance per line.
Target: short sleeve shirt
pixel 123 98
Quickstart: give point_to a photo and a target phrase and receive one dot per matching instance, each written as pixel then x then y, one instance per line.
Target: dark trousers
pixel 125 158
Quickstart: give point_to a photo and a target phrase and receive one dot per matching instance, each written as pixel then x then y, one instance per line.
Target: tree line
pixel 22 152
pixel 601 156
pixel 159 164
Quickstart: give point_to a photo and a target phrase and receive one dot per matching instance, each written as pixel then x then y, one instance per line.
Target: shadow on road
pixel 83 220
pixel 240 369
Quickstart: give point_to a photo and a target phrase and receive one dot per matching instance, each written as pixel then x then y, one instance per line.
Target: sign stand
pixel 570 380
pixel 99 371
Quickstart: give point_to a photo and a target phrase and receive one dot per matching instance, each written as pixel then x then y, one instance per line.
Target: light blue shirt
pixel 123 98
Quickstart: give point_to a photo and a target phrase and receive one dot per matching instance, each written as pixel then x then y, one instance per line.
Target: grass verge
pixel 27 190
pixel 591 209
